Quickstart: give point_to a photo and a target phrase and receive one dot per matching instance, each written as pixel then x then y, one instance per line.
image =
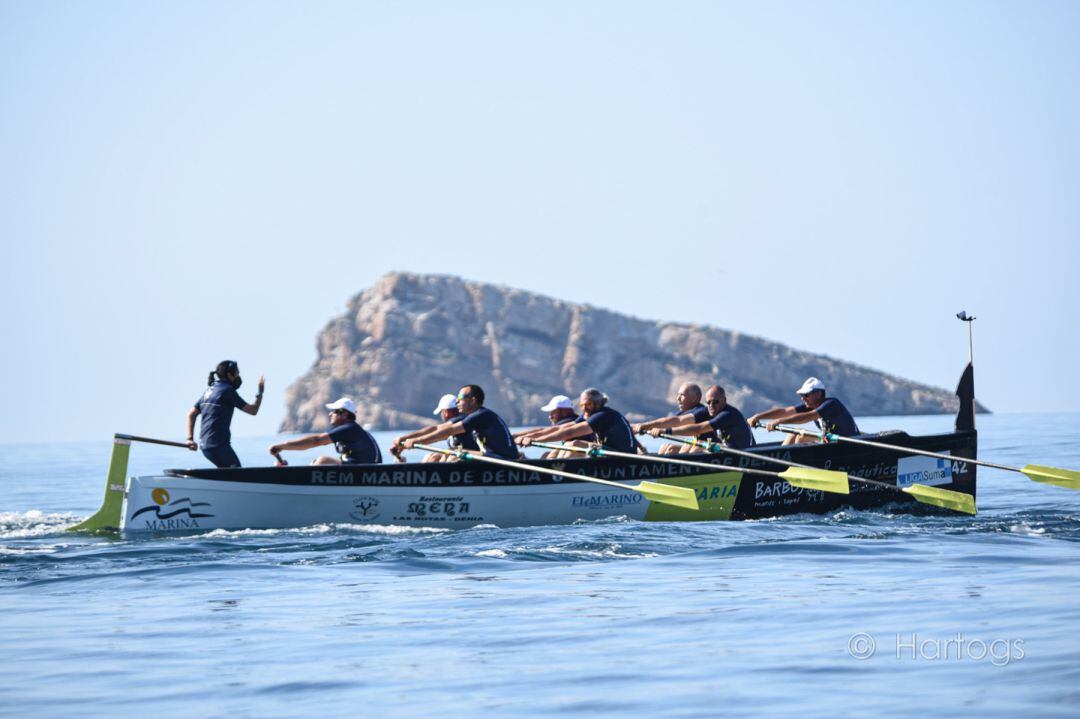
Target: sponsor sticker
pixel 440 509
pixel 606 501
pixel 365 509
pixel 169 513
pixel 923 470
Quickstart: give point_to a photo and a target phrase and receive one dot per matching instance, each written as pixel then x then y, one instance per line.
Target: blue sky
pixel 185 182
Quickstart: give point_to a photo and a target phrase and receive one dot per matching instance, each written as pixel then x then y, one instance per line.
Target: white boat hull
pixel 178 504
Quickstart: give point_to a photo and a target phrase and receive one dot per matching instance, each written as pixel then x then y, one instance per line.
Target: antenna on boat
pixel 963 317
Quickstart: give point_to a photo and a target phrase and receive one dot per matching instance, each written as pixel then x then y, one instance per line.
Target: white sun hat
pixel 447 401
pixel 344 403
pixel 811 384
pixel 559 401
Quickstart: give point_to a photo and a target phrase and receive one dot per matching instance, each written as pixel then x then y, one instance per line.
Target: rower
pixel 560 412
pixel 354 444
pixel 487 428
pixel 610 427
pixel 728 423
pixel 447 411
pixel 828 413
pixel 690 411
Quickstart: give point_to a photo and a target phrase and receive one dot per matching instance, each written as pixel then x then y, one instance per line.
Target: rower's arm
pixel 692 430
pixel 191 415
pixel 796 417
pixel 774 413
pixel 666 422
pixel 529 432
pixel 564 432
pixel 412 435
pixel 300 443
pixel 435 434
pixel 253 408
pixel 543 434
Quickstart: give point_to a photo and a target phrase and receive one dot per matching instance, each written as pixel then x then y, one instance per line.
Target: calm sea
pixel 856 613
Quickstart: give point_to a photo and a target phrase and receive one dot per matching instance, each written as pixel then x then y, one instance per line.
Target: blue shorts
pixel 222 456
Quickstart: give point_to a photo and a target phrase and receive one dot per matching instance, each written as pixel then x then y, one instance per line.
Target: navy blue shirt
pixel 732 428
pixel 612 429
pixel 700 414
pixel 465 440
pixel 355 444
pixel 574 419
pixel 835 418
pixel 491 433
pixel 216 410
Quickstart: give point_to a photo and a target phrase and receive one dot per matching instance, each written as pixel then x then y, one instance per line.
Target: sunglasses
pixel 464 396
pixel 336 411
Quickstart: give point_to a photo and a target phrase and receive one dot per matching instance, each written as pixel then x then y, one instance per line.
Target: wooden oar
pixel 148 440
pixel 947 498
pixel 1067 478
pixel 665 493
pixel 823 480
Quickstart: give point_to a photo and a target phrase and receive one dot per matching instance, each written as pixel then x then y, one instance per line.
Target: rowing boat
pixel 451 495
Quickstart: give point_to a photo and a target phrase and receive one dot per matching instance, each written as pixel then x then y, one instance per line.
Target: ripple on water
pixel 34 523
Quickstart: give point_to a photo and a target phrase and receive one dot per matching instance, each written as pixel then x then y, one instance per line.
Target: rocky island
pixel 411 338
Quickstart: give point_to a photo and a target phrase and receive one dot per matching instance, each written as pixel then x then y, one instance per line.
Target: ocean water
pixel 854 613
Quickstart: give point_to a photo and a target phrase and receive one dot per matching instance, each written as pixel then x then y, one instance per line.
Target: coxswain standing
pixel 216 406
pixel 830 414
pixel 354 444
pixel 487 428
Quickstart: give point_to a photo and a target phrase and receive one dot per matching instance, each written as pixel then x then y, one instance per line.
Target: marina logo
pixel 923 470
pixel 172 513
pixel 367 509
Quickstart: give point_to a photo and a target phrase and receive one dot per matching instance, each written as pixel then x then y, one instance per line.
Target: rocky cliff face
pixel 412 338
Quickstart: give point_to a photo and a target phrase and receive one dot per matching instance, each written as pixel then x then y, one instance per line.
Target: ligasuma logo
pixel 922 470
pixel 172 513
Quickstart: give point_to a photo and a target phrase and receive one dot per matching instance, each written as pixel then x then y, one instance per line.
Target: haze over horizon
pixel 192 182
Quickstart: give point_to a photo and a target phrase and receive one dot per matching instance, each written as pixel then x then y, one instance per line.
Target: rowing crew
pixel 468 425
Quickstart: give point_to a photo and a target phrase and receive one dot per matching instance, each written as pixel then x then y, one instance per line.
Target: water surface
pixel 595 619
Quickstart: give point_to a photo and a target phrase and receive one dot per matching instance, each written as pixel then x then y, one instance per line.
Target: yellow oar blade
pixel 823 480
pixel 1067 478
pixel 956 501
pixel 665 493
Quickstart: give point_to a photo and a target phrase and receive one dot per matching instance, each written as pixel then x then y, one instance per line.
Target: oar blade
pixel 823 480
pixel 665 493
pixel 109 517
pixel 1067 478
pixel 956 501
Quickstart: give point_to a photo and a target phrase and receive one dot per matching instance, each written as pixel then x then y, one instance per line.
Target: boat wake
pixel 33 523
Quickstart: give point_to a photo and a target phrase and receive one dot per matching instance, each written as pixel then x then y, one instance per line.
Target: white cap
pixel 344 403
pixel 811 384
pixel 559 401
pixel 447 401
